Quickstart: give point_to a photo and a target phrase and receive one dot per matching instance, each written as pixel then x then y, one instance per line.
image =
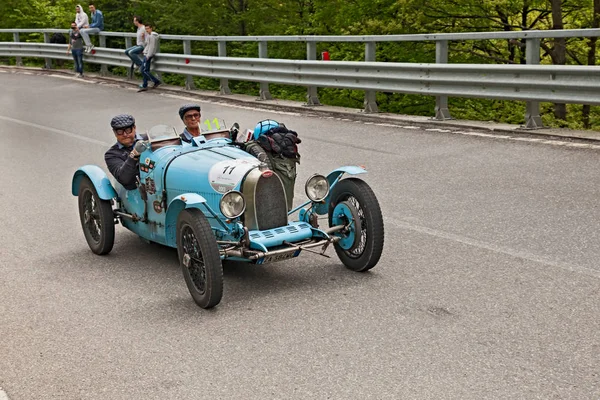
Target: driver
pixel 190 115
pixel 122 159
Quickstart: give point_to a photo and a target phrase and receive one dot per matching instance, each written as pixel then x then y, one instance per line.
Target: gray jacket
pixel 151 46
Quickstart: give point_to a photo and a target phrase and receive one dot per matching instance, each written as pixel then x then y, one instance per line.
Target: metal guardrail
pixel 531 83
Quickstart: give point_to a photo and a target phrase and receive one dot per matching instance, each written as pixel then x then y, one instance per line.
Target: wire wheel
pixel 367 244
pixel 97 218
pixel 199 258
pixel 192 259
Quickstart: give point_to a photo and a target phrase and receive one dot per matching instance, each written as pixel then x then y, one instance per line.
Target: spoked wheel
pixel 97 218
pixel 199 258
pixel 353 203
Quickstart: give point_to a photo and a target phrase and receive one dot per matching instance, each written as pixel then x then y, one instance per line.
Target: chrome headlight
pixel 232 204
pixel 317 187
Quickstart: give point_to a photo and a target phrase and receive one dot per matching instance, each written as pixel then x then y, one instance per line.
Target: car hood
pixel 209 170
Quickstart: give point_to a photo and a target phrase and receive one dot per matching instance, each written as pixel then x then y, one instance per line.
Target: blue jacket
pixel 97 20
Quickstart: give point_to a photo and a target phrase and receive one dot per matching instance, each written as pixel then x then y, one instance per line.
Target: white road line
pixel 581 145
pixel 495 248
pixel 53 130
pixel 3 395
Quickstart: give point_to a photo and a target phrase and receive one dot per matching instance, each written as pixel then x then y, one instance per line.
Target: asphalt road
pixel 487 289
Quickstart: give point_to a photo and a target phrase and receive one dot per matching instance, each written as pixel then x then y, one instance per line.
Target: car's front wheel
pixel 199 258
pixel 97 218
pixel 354 204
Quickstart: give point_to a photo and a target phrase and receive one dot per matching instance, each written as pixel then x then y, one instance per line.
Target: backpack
pixel 280 141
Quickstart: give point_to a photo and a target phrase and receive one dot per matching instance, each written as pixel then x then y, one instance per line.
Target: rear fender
pixel 99 180
pixel 333 178
pixel 178 204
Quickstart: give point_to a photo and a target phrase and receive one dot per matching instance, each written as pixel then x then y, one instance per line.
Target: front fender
pixel 333 177
pixel 178 204
pixel 349 169
pixel 99 179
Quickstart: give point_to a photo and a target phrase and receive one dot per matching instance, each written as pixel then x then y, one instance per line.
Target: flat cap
pixel 187 107
pixel 122 121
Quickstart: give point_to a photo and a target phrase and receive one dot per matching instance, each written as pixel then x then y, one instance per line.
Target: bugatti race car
pixel 213 202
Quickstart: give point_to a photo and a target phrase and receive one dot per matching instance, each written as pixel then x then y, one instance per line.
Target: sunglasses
pixel 192 116
pixel 124 131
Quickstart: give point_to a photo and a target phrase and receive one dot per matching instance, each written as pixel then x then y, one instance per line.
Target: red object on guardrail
pixel 93 51
pixel 325 56
pixel 187 60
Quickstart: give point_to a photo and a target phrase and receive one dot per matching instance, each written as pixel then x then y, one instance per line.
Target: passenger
pixel 190 115
pixel 122 159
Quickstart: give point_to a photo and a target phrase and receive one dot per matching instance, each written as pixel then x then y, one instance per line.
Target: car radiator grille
pixel 271 206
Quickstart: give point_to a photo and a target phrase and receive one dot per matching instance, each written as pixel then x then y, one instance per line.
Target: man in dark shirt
pixel 190 115
pixel 122 159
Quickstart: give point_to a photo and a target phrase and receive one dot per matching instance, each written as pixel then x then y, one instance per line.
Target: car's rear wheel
pixel 199 258
pixel 97 218
pixel 353 203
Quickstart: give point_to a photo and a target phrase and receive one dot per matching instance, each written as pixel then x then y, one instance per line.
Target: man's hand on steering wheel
pixel 139 148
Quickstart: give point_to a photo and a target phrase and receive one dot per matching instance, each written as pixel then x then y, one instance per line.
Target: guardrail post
pixel 48 61
pixel 189 79
pixel 370 95
pixel 18 60
pixel 264 86
pixel 128 44
pixel 312 96
pixel 441 102
pixel 103 67
pixel 153 67
pixel 224 86
pixel 533 120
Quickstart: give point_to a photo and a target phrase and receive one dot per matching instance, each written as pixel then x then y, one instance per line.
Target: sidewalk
pixel 339 112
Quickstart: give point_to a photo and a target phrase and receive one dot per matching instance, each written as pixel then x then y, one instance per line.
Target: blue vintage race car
pixel 213 201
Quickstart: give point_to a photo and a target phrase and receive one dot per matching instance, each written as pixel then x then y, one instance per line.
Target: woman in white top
pixel 81 18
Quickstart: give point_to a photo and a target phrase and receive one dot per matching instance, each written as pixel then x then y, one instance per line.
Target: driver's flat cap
pixel 187 107
pixel 122 121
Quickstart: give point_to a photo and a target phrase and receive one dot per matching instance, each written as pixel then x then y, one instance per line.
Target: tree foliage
pixel 356 17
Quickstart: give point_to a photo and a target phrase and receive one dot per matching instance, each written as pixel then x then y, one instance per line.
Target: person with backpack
pixel 276 145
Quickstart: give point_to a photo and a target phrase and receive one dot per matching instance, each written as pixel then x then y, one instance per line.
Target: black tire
pixel 365 254
pixel 197 246
pixel 97 218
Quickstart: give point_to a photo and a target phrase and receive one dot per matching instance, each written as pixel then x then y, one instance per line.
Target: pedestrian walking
pixel 135 51
pixel 150 49
pixel 76 48
pixel 96 26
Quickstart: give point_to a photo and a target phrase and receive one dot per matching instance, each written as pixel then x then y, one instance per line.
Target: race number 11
pixel 209 125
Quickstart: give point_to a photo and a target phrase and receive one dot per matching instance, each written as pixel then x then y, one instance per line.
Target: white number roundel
pixel 225 175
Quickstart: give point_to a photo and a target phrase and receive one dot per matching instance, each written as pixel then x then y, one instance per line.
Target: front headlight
pixel 317 187
pixel 232 204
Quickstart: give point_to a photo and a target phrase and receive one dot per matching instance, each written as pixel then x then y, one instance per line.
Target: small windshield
pixel 159 133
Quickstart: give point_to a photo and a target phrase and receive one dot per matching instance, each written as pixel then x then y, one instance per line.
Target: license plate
pixel 278 257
